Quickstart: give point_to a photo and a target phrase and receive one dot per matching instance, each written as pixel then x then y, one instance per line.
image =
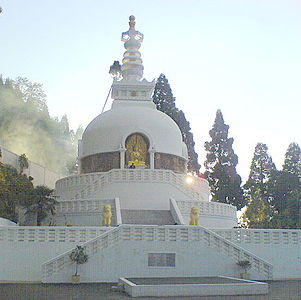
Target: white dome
pixel 108 131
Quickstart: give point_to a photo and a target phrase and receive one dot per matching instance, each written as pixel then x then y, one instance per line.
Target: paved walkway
pixel 279 290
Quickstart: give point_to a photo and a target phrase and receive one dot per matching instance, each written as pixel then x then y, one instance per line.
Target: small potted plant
pixel 79 256
pixel 245 265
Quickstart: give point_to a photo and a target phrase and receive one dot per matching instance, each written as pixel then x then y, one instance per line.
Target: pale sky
pixel 243 57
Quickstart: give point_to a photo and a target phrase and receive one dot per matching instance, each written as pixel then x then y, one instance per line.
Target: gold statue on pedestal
pixel 107 215
pixel 137 151
pixel 194 216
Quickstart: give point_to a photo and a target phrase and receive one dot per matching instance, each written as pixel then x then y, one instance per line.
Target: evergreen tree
pixel 220 164
pixel 281 187
pixel 259 211
pixel 165 102
pixel 15 189
pixel 42 203
pixel 284 188
pixel 292 161
pixel 260 171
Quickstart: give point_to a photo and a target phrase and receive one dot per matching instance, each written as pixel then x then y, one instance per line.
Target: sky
pixel 243 57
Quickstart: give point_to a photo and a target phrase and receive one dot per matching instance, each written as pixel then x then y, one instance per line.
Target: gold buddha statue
pixel 137 151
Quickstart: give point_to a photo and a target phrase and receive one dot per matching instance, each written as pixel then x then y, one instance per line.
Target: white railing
pixel 168 233
pixel 261 236
pixel 208 208
pixel 49 234
pixel 77 180
pixel 105 240
pixel 99 180
pixel 91 205
pixel 175 212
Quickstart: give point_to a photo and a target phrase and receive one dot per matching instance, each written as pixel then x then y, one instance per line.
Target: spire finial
pixel 132 22
pixel 132 63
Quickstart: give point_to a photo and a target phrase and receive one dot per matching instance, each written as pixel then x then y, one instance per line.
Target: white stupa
pixel 133 173
pixel 133 158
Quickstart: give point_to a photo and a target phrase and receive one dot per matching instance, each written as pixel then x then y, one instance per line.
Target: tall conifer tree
pixel 292 161
pixel 261 168
pixel 259 211
pixel 220 164
pixel 165 102
pixel 285 190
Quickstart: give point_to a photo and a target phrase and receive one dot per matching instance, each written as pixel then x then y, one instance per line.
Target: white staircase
pixel 153 234
pixel 147 217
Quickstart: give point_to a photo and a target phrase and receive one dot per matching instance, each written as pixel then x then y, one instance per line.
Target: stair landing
pixel 147 217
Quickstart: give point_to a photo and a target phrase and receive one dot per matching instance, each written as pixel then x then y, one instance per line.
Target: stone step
pixel 147 217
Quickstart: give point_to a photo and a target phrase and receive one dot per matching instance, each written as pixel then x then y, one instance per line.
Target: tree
pixel 292 161
pixel 258 212
pixel 32 93
pixel 15 190
pixel 274 196
pixel 285 190
pixel 165 102
pixel 23 162
pixel 79 256
pixel 290 216
pixel 281 186
pixel 220 164
pixel 42 203
pixel 261 168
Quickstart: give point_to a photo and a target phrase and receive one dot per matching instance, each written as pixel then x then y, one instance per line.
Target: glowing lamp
pixel 189 180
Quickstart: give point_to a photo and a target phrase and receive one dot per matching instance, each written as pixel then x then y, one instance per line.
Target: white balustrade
pixel 104 240
pixel 90 183
pixel 48 234
pixel 91 205
pixel 261 236
pixel 207 208
pixel 173 233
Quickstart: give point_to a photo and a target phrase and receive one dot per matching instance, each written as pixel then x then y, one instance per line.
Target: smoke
pixel 26 127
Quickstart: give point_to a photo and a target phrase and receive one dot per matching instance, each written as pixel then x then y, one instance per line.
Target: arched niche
pixel 137 154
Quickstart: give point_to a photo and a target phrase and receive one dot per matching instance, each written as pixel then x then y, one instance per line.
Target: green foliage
pixel 165 102
pixel 79 256
pixel 258 213
pixel 23 162
pixel 25 125
pixel 260 171
pixel 42 203
pixel 292 161
pixel 15 189
pixel 274 197
pixel 220 164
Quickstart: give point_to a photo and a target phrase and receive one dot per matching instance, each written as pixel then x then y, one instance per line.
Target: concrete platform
pixel 289 289
pixel 191 286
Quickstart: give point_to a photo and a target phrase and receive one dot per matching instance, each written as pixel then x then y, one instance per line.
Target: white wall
pixel 280 247
pixel 130 259
pixel 286 259
pixel 21 261
pixel 41 175
pixel 23 250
